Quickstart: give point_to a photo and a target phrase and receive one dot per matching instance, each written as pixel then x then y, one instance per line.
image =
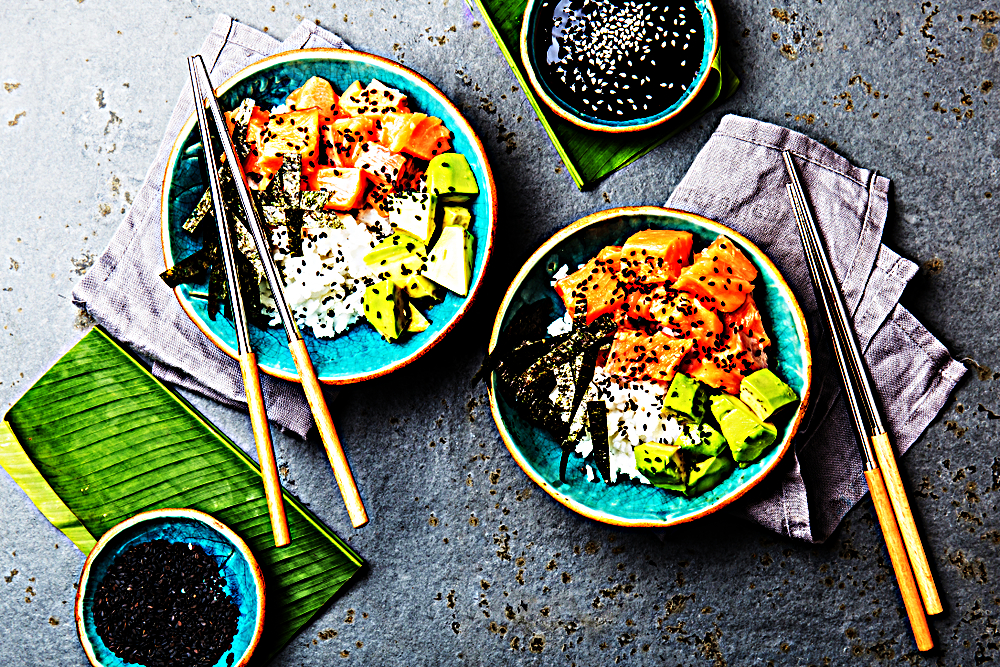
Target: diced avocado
pixel 663 465
pixel 708 474
pixel 685 400
pixel 400 271
pixel 451 259
pixel 764 393
pixel 450 178
pixel 419 287
pixel 456 216
pixel 387 308
pixel 396 246
pixel 418 322
pixel 413 213
pixel 701 439
pixel 746 434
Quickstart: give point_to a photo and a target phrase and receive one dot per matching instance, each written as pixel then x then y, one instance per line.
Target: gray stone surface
pixel 469 562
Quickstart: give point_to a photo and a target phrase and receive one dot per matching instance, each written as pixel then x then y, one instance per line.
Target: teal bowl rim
pixel 573 115
pixel 160 515
pixel 488 191
pixel 539 256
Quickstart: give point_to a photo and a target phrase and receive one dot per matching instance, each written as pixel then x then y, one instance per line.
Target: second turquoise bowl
pixel 537 452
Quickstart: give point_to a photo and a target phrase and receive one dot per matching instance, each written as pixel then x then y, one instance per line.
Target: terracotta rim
pixel 167 513
pixel 538 256
pixel 561 110
pixel 334 54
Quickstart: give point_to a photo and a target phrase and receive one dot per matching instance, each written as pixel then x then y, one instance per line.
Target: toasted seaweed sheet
pixel 529 323
pixel 597 418
pixel 191 269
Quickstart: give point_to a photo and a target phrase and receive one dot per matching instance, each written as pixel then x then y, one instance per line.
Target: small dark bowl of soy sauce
pixel 618 65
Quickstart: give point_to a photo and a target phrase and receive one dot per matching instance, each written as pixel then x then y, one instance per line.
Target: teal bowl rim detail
pixel 802 352
pixel 566 111
pixel 164 516
pixel 485 206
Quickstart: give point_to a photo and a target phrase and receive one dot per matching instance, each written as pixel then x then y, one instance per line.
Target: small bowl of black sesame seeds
pixel 618 65
pixel 170 587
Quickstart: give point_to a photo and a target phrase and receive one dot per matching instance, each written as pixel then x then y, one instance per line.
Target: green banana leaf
pixel 98 439
pixel 588 155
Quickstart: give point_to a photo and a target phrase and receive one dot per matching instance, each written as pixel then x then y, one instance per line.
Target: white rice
pixel 635 416
pixel 325 287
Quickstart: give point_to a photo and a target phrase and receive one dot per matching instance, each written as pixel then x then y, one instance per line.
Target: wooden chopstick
pixel 248 360
pixel 859 397
pixel 877 431
pixel 296 345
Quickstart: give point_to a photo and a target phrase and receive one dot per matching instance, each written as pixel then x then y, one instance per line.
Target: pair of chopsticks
pixel 296 345
pixel 906 552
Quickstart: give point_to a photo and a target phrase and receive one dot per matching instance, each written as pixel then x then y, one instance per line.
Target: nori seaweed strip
pixel 529 323
pixel 322 220
pixel 314 200
pixel 201 210
pixel 293 222
pixel 597 416
pixel 191 269
pixel 579 341
pixel 290 174
pixel 519 361
pixel 218 291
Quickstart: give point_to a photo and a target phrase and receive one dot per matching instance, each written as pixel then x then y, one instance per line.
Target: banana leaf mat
pixel 590 156
pixel 98 439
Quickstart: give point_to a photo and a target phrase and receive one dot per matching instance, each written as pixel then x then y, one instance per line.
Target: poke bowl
pixel 360 352
pixel 539 452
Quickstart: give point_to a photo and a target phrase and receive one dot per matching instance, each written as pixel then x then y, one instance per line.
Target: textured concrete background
pixel 470 563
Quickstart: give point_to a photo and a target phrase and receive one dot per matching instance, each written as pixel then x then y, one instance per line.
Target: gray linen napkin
pixel 739 179
pixel 123 292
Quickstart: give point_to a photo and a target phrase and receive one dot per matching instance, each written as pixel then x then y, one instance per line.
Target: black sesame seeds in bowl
pixel 170 587
pixel 618 65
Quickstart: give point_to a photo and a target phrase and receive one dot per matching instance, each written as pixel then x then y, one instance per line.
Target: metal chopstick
pixel 296 345
pixel 248 360
pixel 878 433
pixel 856 386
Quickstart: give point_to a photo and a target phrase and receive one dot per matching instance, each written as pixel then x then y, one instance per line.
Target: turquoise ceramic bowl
pixel 532 58
pixel 361 353
pixel 244 581
pixel 626 504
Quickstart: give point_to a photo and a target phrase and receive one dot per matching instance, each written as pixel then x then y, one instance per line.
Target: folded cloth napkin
pixel 123 291
pixel 739 179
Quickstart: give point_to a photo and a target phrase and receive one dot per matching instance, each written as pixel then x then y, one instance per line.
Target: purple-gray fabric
pixel 123 292
pixel 739 179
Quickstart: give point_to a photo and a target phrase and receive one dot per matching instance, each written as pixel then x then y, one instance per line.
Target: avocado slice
pixel 450 178
pixel 663 465
pixel 685 399
pixel 456 216
pixel 701 439
pixel 413 213
pixel 708 474
pixel 764 393
pixel 746 434
pixel 419 287
pixel 451 259
pixel 387 308
pixel 418 322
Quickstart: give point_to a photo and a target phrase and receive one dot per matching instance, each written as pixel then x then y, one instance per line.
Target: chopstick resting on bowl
pixel 248 359
pixel 296 345
pixel 891 505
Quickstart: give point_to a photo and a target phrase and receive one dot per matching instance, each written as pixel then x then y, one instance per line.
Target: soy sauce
pixel 619 60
